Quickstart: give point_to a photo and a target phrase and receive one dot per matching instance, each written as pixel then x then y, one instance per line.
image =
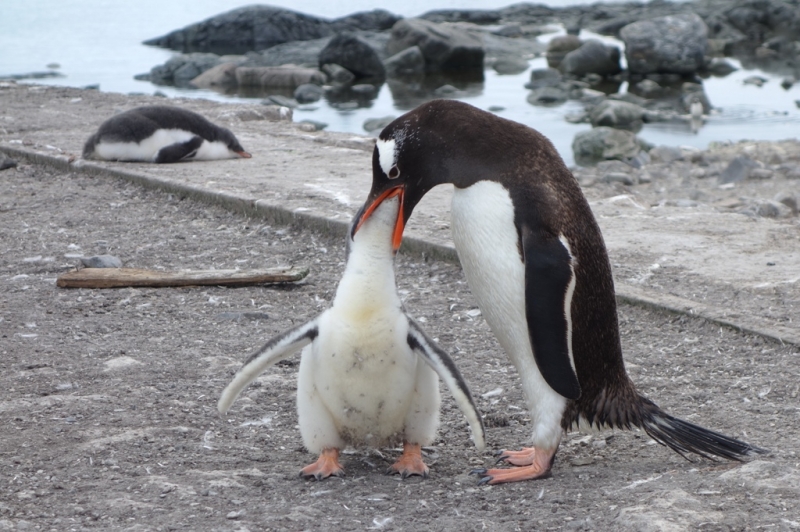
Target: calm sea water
pixel 99 41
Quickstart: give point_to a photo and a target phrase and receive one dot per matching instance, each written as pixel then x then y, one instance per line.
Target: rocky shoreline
pixel 293 59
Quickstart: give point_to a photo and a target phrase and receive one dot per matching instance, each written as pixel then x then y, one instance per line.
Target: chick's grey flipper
pixel 274 351
pixel 180 151
pixel 549 281
pixel 443 365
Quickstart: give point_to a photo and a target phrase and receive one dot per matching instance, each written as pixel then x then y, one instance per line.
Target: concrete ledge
pixel 413 246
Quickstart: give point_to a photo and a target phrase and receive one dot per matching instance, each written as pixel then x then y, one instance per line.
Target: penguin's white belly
pixel 147 149
pixel 211 151
pixel 488 248
pixel 365 374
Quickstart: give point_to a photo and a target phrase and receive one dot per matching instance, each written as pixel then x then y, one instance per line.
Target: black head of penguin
pixel 422 149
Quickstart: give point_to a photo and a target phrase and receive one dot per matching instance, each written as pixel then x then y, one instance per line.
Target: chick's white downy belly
pixel 364 375
pixel 487 242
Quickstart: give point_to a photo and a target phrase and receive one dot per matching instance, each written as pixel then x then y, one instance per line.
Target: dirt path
pixel 108 396
pixel 677 238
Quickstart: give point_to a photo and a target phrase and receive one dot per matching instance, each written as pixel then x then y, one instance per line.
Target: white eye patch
pixel 386 154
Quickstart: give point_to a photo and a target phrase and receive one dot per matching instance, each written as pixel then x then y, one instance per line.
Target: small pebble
pixel 788 199
pixel 618 177
pixel 760 173
pixel 758 81
pixel 101 261
pixel 312 125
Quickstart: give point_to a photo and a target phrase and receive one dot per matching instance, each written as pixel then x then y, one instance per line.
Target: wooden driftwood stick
pixel 127 277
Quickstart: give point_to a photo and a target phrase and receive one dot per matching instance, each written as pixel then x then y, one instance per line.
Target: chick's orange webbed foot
pixel 535 464
pixel 326 465
pixel 410 462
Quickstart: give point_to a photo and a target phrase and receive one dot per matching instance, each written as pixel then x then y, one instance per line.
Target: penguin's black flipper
pixel 179 152
pixel 549 281
pixel 274 351
pixel 443 365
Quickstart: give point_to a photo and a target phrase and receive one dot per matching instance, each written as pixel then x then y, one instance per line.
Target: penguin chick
pixel 367 371
pixel 535 260
pixel 161 134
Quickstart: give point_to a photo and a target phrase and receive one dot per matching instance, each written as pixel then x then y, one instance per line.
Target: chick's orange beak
pixel 397 235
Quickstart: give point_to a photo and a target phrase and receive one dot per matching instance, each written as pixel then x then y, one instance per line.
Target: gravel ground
pixel 109 396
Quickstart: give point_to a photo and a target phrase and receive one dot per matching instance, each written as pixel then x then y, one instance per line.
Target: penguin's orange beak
pixel 397 235
pixel 244 154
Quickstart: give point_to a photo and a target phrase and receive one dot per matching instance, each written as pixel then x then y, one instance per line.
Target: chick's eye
pixel 394 172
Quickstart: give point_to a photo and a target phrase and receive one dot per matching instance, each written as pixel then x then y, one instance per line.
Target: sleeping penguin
pixel 161 134
pixel 368 373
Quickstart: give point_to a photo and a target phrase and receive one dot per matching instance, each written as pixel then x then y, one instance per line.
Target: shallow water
pixel 99 42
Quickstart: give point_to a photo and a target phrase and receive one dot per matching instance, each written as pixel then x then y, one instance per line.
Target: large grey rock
pixel 738 170
pixel 244 29
pixel 300 53
pixel 772 209
pixel 605 143
pixel 338 75
pixel 666 154
pixel 221 76
pixel 676 43
pixel 544 77
pixel 408 62
pixel 182 69
pixel 259 27
pixel 350 52
pixel 617 114
pixel 593 57
pixel 648 88
pixel 375 20
pixel 376 125
pixel 445 48
pixel 264 77
pixel 790 199
pixel 559 47
pixel 666 511
pixel 763 476
pixel 760 19
pixel 308 93
pixel 720 67
pixel 510 65
pixel 548 96
pixel 474 16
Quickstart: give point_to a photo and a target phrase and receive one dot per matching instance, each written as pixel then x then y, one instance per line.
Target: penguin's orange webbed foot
pixel 536 465
pixel 326 465
pixel 524 457
pixel 410 462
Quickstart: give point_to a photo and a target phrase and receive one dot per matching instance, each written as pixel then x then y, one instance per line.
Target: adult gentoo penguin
pixel 368 372
pixel 535 260
pixel 161 134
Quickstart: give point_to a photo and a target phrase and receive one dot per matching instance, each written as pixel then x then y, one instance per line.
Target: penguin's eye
pixel 394 172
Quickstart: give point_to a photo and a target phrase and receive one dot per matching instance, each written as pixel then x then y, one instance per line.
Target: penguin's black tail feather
pixel 684 437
